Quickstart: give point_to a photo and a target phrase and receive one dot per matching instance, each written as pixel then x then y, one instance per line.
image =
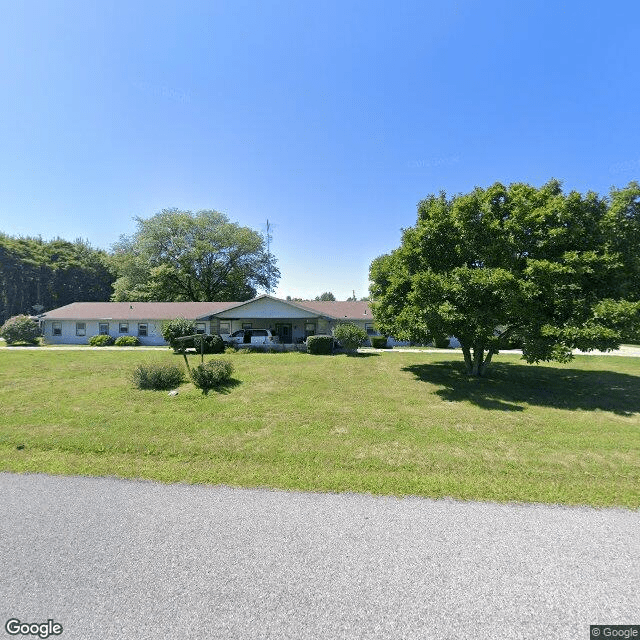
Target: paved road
pixel 114 559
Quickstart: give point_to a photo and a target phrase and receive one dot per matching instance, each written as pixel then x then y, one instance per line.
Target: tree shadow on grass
pixel 508 387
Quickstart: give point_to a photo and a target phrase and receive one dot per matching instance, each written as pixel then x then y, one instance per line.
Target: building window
pixel 124 327
pixel 81 328
pixel 225 327
pixel 103 328
pixel 56 328
pixel 369 329
pixel 142 329
pixel 201 327
pixel 309 329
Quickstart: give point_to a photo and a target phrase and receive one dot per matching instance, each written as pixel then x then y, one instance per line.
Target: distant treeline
pixel 37 274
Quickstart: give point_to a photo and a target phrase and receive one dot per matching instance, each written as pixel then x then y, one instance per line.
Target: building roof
pixel 340 310
pixel 135 310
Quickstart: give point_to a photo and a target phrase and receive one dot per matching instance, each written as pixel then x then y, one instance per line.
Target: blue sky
pixel 329 119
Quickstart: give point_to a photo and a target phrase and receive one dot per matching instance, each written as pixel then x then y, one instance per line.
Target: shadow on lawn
pixel 509 386
pixel 225 387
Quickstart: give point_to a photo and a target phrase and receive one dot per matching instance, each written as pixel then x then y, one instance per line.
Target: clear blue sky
pixel 331 119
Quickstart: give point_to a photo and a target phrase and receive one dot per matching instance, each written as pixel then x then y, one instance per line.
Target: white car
pixel 250 336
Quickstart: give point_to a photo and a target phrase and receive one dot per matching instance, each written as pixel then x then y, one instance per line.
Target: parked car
pixel 250 336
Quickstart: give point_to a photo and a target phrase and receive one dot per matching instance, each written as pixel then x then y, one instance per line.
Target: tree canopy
pixel 37 275
pixel 556 272
pixel 327 296
pixel 179 255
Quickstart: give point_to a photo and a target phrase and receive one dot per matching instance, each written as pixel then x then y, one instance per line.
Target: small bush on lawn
pixel 379 342
pixel 101 341
pixel 212 344
pixel 350 335
pixel 157 376
pixel 231 348
pixel 212 374
pixel 178 328
pixel 20 329
pixel 320 345
pixel 127 341
pixel 441 343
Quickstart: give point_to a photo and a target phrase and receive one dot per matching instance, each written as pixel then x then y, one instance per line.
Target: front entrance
pixel 283 331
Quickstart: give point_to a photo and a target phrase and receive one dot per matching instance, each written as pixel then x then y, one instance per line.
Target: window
pixel 201 327
pixel 225 327
pixel 369 329
pixel 81 328
pixel 309 329
pixel 246 325
pixel 142 329
pixel 124 327
pixel 103 328
pixel 56 328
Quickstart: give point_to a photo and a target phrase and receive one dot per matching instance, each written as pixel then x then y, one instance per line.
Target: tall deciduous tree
pixel 180 255
pixel 558 272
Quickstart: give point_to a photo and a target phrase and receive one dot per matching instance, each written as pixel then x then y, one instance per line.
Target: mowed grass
pixel 390 423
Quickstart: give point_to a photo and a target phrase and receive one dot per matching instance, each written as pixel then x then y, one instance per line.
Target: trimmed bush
pixel 127 341
pixel 379 342
pixel 178 328
pixel 101 341
pixel 212 374
pixel 350 335
pixel 212 344
pixel 20 329
pixel 158 376
pixel 320 345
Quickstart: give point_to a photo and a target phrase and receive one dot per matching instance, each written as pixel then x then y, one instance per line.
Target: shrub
pixel 101 341
pixel 320 345
pixel 20 329
pixel 212 344
pixel 231 348
pixel 178 328
pixel 441 343
pixel 379 342
pixel 127 341
pixel 350 335
pixel 211 374
pixel 157 376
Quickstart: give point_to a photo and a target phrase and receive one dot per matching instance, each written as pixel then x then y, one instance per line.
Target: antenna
pixel 268 238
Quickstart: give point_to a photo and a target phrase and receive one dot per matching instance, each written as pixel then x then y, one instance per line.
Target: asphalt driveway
pixel 114 559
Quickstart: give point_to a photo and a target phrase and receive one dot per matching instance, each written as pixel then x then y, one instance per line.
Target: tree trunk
pixel 466 351
pixel 487 361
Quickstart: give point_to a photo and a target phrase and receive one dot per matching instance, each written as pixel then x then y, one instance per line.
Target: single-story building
pixel 291 321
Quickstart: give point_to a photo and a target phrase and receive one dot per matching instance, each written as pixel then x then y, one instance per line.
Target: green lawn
pixel 390 423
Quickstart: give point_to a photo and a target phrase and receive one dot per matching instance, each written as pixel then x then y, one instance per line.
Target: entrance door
pixel 283 332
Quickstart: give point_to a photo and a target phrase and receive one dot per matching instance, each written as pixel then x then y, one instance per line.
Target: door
pixel 283 332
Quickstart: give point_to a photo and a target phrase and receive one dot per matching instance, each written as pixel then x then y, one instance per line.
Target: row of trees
pixel 36 275
pixel 555 272
pixel 173 256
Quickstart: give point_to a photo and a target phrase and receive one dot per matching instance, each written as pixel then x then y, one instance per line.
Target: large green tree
pixel 556 272
pixel 179 255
